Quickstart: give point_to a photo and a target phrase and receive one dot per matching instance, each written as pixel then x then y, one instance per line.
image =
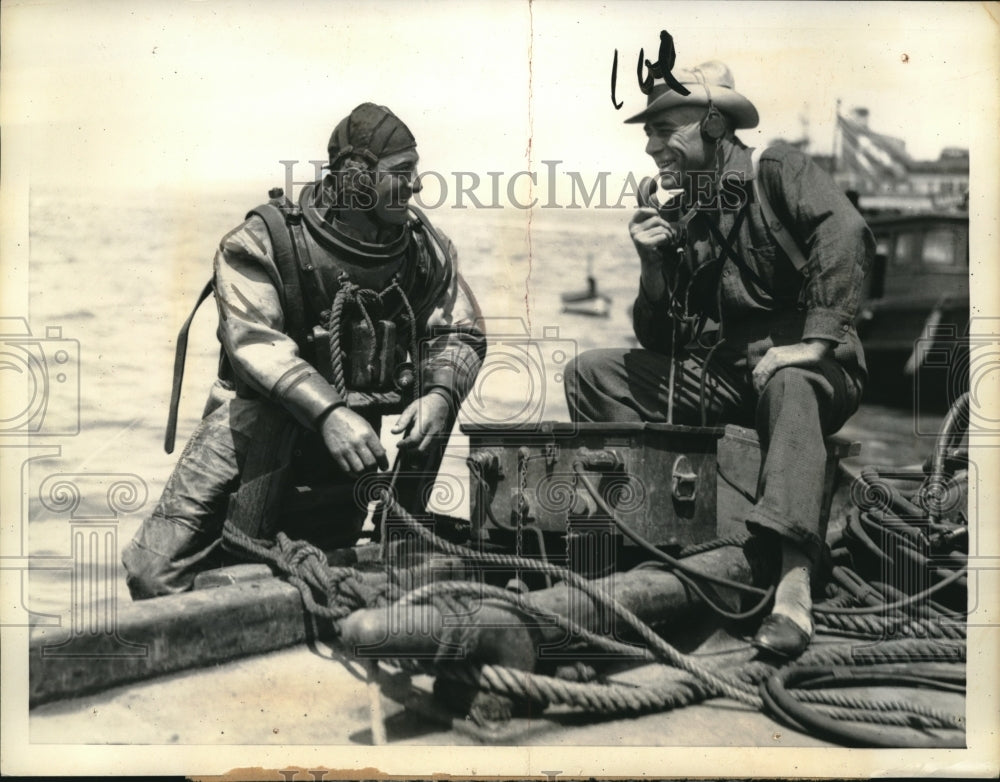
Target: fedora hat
pixel 711 79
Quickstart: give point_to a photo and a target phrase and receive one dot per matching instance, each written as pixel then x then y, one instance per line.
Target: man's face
pixel 676 145
pixel 396 181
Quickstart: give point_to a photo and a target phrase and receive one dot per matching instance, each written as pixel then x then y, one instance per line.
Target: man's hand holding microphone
pixel 655 238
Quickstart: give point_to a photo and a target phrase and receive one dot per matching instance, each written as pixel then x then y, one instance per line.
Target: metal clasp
pixel 684 480
pixel 604 460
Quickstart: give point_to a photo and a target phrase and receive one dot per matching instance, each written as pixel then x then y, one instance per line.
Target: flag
pixel 871 156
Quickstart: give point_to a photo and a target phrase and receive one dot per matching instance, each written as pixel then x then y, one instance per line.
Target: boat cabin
pixel 918 287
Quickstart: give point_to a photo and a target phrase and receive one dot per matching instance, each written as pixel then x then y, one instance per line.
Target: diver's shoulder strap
pixel 784 239
pixel 285 256
pixel 180 356
pixel 421 223
pixel 290 292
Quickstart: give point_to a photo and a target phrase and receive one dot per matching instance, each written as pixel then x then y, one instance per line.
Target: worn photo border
pixel 19 154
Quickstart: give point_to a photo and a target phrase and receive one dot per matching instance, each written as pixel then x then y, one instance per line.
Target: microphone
pixel 663 201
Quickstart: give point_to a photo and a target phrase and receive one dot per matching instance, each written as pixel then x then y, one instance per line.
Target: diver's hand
pixel 807 353
pixel 651 235
pixel 352 442
pixel 426 418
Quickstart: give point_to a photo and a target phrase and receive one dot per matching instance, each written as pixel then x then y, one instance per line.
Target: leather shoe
pixel 781 637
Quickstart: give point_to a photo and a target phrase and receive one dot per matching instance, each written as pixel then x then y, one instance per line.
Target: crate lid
pixel 570 429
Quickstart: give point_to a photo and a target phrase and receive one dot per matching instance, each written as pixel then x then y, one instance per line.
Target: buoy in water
pixel 587 302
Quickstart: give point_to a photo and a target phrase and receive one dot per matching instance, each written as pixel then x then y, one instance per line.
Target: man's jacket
pixel 252 323
pixel 761 299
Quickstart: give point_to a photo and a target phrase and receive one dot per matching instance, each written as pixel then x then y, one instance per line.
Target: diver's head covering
pixel 369 132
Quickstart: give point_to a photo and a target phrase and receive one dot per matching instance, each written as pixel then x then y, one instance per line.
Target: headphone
pixel 713 124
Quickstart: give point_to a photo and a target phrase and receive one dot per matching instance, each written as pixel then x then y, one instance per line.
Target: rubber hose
pixel 788 708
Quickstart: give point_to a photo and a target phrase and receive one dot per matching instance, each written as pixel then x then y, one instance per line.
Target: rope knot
pixel 297 552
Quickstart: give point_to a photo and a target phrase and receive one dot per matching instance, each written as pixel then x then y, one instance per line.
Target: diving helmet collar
pixel 336 237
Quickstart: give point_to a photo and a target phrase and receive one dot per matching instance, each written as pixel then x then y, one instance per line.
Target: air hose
pixel 848 728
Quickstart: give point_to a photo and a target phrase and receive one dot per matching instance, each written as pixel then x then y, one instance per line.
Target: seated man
pixel 317 303
pixel 734 330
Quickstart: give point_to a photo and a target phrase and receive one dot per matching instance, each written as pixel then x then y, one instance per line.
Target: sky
pixel 211 92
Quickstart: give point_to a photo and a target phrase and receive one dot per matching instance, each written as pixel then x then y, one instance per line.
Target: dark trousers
pixel 182 536
pixel 797 409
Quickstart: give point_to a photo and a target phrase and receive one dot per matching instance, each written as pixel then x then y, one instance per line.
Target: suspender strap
pixel 290 291
pixel 312 280
pixel 180 356
pixel 285 256
pixel 785 240
pixel 726 247
pixel 265 475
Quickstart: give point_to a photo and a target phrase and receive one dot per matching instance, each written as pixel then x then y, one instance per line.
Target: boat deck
pixel 313 696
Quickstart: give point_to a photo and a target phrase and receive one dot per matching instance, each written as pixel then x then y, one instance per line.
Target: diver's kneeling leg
pixel 182 535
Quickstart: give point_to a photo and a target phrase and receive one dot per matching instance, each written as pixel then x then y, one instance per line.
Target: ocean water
pixel 119 273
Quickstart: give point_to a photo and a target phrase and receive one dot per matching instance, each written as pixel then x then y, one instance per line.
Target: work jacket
pixel 759 299
pixel 252 323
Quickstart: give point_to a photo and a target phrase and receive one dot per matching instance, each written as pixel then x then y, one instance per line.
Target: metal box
pixel 659 479
pixel 673 485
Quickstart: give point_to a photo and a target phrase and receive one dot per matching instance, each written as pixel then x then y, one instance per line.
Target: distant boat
pixel 587 302
pixel 914 316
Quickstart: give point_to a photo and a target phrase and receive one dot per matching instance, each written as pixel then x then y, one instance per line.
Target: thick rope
pixel 663 650
pixel 736 541
pixel 410 316
pixel 884 652
pixel 910 638
pixel 306 568
pixel 332 320
pixel 595 698
pixel 348 293
pixel 611 698
pixel 333 325
pixel 604 698
pixel 880 627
